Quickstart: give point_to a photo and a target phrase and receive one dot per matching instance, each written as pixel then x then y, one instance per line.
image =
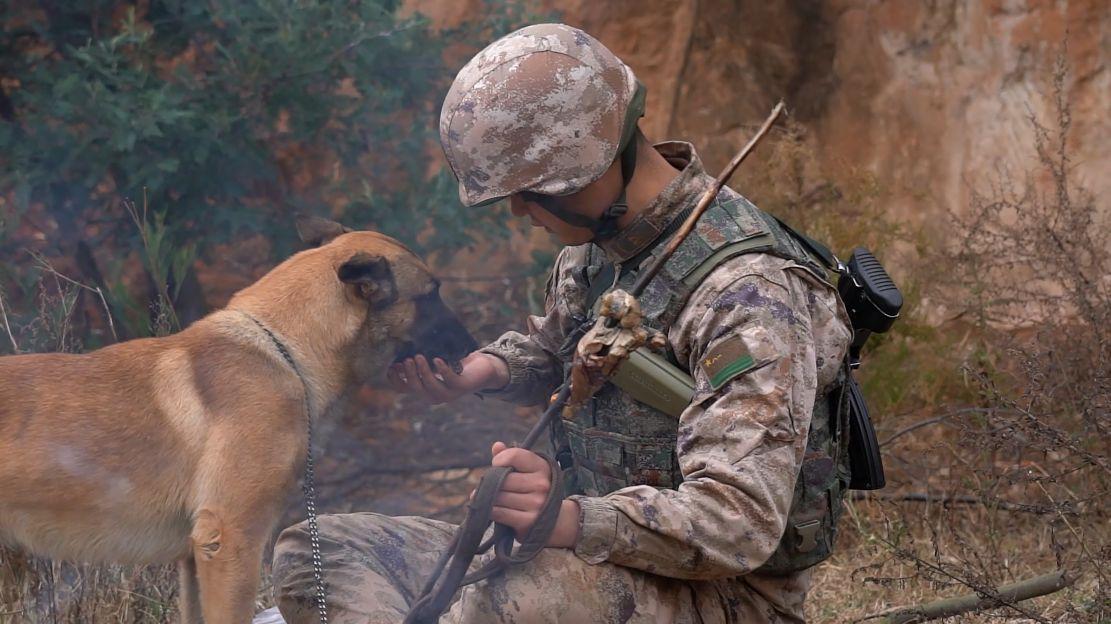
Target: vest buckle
pixel 808 535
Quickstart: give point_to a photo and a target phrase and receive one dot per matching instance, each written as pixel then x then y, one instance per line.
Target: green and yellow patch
pixel 726 360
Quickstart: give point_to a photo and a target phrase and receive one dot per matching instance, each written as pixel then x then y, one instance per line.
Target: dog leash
pixel 450 571
pixel 308 487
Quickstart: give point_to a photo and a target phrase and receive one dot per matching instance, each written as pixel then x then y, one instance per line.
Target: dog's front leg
pixel 227 550
pixel 190 602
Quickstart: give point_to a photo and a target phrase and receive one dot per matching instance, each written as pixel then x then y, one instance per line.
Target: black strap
pixel 607 224
pixel 604 227
pixel 451 568
pixel 818 249
pixel 549 204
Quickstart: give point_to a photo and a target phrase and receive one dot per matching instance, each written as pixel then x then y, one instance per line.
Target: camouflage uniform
pixel 689 550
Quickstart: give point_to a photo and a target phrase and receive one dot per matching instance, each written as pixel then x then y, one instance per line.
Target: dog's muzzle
pixel 437 333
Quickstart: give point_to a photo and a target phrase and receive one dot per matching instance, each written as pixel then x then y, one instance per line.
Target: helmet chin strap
pixel 605 226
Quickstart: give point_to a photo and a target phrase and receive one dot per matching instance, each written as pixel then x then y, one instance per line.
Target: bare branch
pixel 1080 539
pixel 48 267
pixel 1005 595
pixel 922 497
pixel 997 597
pixel 918 425
pixel 7 326
pixel 107 314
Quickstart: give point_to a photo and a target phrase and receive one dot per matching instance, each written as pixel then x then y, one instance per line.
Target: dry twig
pixel 949 607
pixel 1080 539
pixel 922 497
pixel 141 223
pixel 47 266
pixel 7 326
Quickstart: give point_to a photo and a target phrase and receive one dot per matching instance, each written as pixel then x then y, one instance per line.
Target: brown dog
pixel 184 447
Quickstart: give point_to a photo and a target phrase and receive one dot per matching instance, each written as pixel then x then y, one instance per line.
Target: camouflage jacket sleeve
pixel 534 370
pixel 762 336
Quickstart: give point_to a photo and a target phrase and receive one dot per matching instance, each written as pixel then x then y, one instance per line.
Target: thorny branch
pixel 1083 542
pixel 1026 257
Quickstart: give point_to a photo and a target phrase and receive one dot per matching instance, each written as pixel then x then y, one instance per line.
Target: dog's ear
pixel 372 278
pixel 317 231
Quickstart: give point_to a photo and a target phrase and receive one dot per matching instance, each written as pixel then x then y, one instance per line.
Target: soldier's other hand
pixel 437 382
pixel 523 493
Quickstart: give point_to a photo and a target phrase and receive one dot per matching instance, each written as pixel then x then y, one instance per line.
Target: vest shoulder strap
pixel 719 257
pixel 731 227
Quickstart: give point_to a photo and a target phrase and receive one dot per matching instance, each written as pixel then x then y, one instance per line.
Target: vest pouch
pixel 819 492
pixel 809 535
pixel 606 461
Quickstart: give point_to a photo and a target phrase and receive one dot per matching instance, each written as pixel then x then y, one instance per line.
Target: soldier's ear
pixel 371 277
pixel 317 231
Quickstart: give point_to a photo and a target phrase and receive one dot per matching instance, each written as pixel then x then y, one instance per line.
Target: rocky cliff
pixel 932 96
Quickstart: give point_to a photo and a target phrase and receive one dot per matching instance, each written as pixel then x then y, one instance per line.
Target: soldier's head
pixel 547 117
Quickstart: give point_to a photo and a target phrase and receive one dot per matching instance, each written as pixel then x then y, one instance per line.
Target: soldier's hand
pixel 523 494
pixel 438 383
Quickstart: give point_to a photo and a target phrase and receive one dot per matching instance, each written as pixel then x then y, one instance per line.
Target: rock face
pixel 932 97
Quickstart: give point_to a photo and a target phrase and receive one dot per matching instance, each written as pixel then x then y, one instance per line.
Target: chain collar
pixel 308 487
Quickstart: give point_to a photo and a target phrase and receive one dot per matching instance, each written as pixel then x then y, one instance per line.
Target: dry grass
pixel 901 554
pixel 38 590
pixel 1014 401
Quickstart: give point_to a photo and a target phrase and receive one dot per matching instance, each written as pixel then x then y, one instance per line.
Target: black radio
pixel 873 302
pixel 872 299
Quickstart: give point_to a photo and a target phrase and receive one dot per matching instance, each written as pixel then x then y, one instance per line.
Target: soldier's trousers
pixel 375 566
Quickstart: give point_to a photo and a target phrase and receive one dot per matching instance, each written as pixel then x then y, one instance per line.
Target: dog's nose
pixel 457 341
pixel 439 332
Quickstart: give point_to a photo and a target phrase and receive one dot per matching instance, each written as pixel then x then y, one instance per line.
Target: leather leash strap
pixel 450 572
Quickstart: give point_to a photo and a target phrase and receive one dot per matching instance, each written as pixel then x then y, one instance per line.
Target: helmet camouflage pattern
pixel 544 109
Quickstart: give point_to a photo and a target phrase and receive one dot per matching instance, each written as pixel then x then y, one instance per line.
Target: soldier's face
pixel 590 201
pixel 540 217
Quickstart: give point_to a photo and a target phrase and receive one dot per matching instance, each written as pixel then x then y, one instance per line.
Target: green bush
pixel 227 117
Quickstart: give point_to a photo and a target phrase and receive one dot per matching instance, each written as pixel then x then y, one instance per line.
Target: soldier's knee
pixel 292 572
pixel 292 550
pixel 542 590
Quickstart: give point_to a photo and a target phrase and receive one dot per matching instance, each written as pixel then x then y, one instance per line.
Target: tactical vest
pixel 618 441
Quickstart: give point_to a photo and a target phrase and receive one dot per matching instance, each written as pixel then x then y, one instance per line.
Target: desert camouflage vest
pixel 618 441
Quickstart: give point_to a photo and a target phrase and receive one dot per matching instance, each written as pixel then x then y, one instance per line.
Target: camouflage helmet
pixel 545 109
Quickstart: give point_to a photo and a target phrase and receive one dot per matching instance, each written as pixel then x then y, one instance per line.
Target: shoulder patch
pixel 726 360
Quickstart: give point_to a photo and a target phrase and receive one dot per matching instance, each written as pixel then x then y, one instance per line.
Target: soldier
pixel 709 514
